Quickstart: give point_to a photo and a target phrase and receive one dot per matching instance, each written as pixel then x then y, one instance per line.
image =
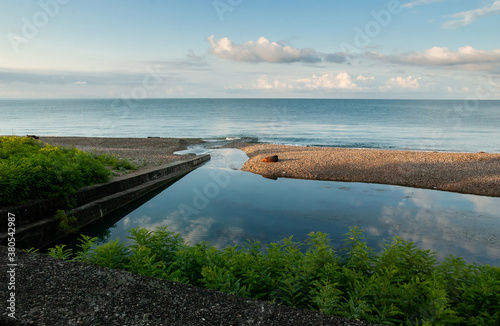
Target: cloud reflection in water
pixel 252 207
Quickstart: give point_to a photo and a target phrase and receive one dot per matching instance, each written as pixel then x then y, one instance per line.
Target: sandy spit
pixel 471 173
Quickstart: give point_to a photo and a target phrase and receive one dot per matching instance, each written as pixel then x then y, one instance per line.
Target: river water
pixel 222 205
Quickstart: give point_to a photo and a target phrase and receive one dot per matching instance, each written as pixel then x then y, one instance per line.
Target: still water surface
pixel 222 205
pixel 382 124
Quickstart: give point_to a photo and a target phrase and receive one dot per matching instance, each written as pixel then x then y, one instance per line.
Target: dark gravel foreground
pixel 50 291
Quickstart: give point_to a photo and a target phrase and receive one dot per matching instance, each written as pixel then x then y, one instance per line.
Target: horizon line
pixel 246 98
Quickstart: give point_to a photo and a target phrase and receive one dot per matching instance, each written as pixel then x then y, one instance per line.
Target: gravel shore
pixel 140 151
pixel 471 173
pixel 52 292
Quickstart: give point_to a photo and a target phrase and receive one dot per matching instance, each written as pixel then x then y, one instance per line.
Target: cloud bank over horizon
pixel 331 81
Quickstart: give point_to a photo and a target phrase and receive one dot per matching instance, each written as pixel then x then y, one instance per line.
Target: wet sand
pixel 471 173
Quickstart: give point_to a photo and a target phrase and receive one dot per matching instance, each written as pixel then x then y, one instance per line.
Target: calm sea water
pixel 389 124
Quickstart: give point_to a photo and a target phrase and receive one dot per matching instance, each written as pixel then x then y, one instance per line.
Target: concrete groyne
pixel 36 224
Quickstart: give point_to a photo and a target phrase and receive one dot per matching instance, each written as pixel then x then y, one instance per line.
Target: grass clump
pixel 31 170
pixel 401 285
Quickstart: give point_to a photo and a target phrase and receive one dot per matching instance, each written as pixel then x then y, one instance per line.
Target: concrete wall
pixel 35 222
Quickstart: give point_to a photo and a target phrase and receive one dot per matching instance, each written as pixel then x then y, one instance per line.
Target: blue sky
pixel 242 48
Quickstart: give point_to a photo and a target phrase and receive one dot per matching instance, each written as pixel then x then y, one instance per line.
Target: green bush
pixel 114 161
pixel 66 223
pixel 31 170
pixel 400 285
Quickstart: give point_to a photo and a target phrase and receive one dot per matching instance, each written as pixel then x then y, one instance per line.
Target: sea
pixel 429 125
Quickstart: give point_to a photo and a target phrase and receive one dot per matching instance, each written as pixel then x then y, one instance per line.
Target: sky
pixel 394 49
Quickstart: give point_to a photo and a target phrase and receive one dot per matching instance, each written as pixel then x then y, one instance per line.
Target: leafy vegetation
pixel 31 170
pixel 114 161
pixel 66 223
pixel 400 285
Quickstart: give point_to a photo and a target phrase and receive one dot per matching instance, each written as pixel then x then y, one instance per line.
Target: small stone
pixel 268 159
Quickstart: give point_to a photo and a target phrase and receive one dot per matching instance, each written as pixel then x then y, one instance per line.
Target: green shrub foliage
pixel 401 285
pixel 31 170
pixel 66 223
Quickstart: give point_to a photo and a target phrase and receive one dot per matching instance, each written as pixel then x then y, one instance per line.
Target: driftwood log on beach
pixel 269 159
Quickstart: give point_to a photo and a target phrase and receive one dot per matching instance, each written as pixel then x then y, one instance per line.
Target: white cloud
pixel 365 78
pixel 468 17
pixel 326 81
pixel 442 56
pixel 329 81
pixel 411 4
pixel 261 50
pixel 408 82
pixel 464 55
pixel 263 82
pixel 80 83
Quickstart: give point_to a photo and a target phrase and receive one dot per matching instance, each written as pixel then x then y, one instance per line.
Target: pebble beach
pixel 140 151
pixel 470 173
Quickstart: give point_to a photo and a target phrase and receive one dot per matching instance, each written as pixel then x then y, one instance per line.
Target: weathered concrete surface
pixel 35 222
